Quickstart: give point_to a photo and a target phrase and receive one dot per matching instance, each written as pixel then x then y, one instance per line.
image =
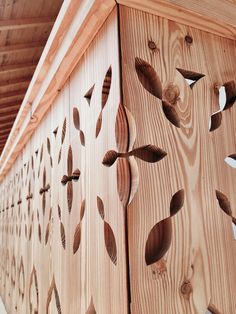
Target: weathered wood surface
pixel 62 223
pixel 191 268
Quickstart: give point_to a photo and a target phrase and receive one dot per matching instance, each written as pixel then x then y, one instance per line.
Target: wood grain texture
pixel 197 271
pixel 217 17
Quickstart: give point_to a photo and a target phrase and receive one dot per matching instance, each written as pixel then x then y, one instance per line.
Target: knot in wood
pixel 186 288
pixel 152 45
pixel 188 39
pixel 171 94
pixel 19 202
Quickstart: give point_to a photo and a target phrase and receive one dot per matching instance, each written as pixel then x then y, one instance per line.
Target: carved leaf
pixel 47 233
pixel 109 158
pixel 110 242
pixel 224 203
pixel 148 77
pixel 98 124
pixel 76 118
pixel 215 121
pixel 158 242
pixel 63 132
pixel 177 202
pixel 100 207
pixel 106 86
pixel 149 153
pixel 171 114
pixel 63 237
pixel 82 210
pixel 77 238
pixel 70 161
pixel 91 309
pixel 69 195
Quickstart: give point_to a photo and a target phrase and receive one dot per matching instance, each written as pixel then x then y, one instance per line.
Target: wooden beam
pixel 17 67
pixel 75 27
pixel 217 17
pixel 10 24
pixel 21 47
pixel 15 81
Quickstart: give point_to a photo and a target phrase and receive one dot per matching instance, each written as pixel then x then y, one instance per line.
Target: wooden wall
pixel 61 245
pixel 122 194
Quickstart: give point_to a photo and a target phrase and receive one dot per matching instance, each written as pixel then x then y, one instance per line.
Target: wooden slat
pixel 17 67
pixel 13 94
pixel 11 24
pixel 73 31
pixel 15 81
pixel 10 104
pixel 216 16
pixel 21 47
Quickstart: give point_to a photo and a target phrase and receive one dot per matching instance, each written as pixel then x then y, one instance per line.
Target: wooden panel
pixel 181 246
pixel 71 220
pixel 216 16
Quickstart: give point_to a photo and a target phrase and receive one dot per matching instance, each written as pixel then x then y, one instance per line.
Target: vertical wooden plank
pixel 179 244
pixel 97 215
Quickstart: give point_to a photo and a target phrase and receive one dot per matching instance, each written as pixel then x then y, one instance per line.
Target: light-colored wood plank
pixel 191 268
pixel 21 47
pixel 13 24
pixel 217 17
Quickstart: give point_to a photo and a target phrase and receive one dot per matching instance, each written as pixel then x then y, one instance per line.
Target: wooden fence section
pixel 119 200
pixel 181 243
pixel 62 223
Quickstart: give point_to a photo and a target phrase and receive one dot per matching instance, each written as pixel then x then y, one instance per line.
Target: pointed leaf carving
pixel 70 161
pixel 91 309
pixel 99 124
pixel 215 121
pixel 63 132
pixel 177 202
pixel 171 114
pixel 149 153
pixel 63 237
pixel 106 86
pixel 77 238
pixel 148 77
pixel 109 158
pixel 69 195
pixel 76 118
pixel 82 210
pixel 100 207
pixel 224 202
pixel 158 242
pixel 110 242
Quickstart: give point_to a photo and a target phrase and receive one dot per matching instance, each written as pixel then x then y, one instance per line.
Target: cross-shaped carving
pixel 67 179
pixel 44 190
pixel 29 197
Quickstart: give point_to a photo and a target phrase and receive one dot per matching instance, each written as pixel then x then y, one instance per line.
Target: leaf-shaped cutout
pixel 39 232
pixel 69 161
pixel 91 309
pixel 59 156
pixel 98 124
pixel 148 77
pixel 63 131
pixel 69 195
pixel 89 94
pixel 64 179
pixel 224 202
pixel 41 154
pixel 47 233
pixel 100 207
pixel 231 160
pixel 110 242
pixel 158 242
pixel 171 114
pixel 230 90
pixel 190 77
pixel 212 310
pixel 106 86
pixel 48 146
pixel 123 180
pixel 122 130
pixel 215 121
pixel 149 153
pixel 77 238
pixel 33 280
pixel 59 211
pixel 30 232
pixel 109 158
pixel 82 210
pixel 177 202
pixel 63 236
pixel 82 138
pixel 76 174
pixel 76 118
pixel 52 289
